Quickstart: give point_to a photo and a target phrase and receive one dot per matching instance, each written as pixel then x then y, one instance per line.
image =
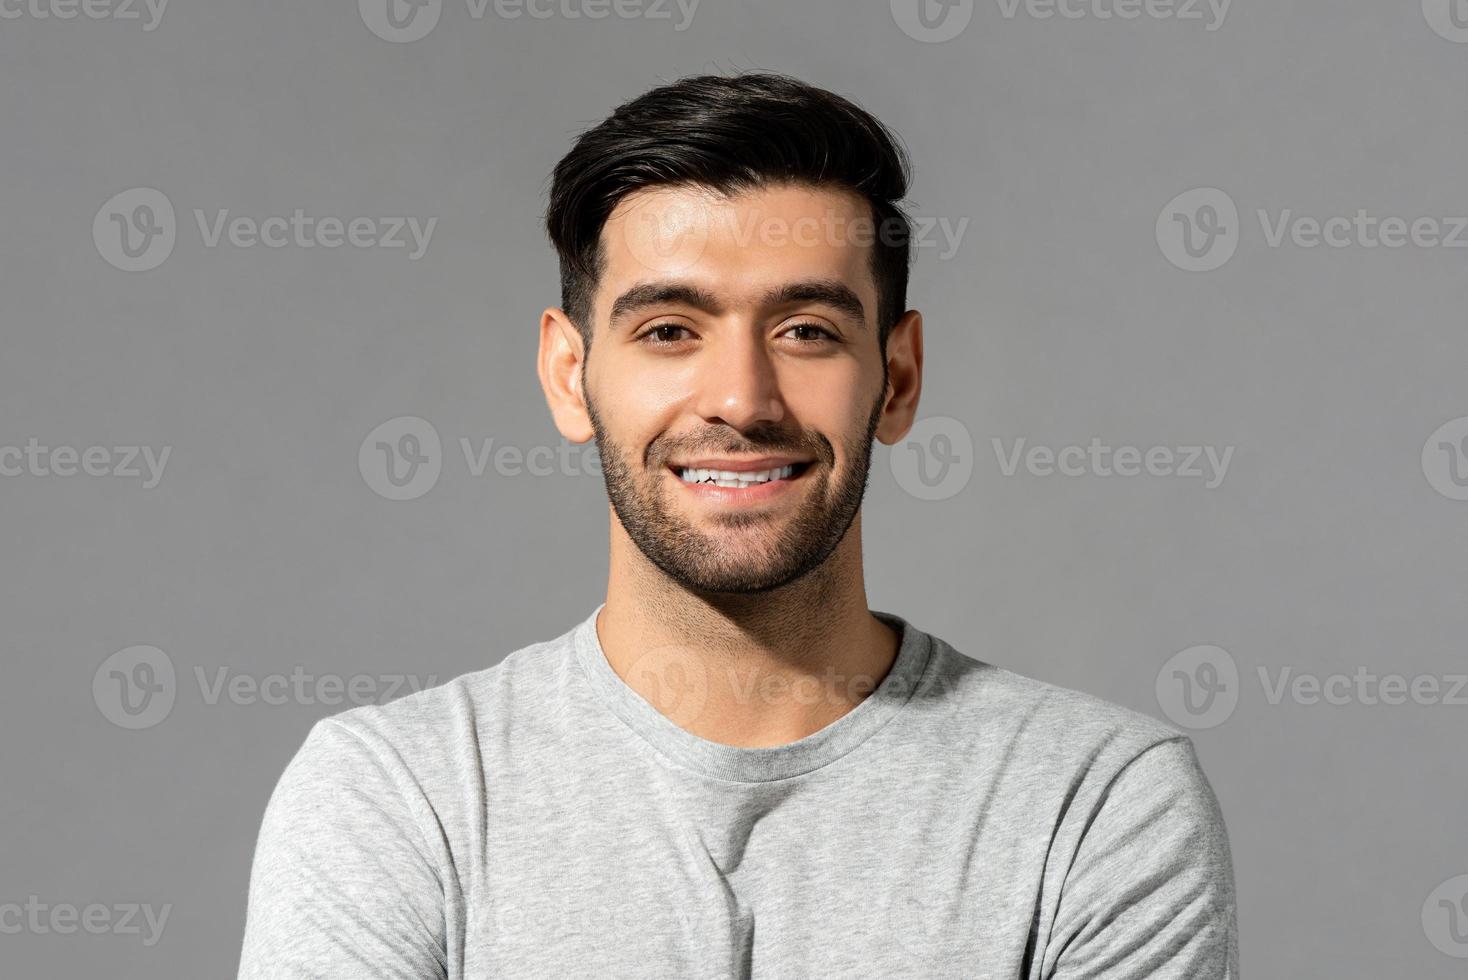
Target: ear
pixel 560 365
pixel 904 378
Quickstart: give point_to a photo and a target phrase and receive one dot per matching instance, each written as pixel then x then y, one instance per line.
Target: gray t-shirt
pixel 540 819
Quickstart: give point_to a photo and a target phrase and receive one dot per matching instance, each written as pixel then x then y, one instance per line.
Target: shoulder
pixel 1050 748
pixel 432 736
pixel 1002 702
pixel 1099 767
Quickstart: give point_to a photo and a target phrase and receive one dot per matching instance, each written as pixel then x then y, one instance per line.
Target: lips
pixel 737 464
pixel 734 487
pixel 737 478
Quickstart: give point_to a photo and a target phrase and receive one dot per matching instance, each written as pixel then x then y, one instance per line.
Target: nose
pixel 738 383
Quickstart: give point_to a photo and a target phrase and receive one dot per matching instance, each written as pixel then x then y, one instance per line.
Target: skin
pixel 745 624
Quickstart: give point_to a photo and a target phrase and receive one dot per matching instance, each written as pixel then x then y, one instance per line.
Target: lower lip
pixel 759 493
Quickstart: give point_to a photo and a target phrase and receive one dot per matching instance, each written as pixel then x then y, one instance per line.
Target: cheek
pixel 636 415
pixel 632 393
pixel 835 405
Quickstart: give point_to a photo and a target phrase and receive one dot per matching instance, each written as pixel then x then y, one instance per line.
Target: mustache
pixel 817 447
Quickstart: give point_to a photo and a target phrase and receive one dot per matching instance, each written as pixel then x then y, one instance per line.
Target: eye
pixel 660 333
pixel 824 334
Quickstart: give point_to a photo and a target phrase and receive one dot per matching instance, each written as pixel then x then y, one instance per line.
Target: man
pixel 732 767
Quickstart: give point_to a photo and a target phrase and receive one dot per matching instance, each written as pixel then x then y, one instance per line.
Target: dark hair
pixel 729 134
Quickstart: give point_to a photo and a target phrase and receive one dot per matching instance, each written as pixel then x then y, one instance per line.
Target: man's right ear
pixel 560 364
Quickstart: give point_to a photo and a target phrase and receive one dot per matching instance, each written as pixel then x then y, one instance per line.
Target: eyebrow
pixel 828 292
pixel 648 294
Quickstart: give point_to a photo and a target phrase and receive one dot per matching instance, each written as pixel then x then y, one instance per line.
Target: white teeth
pixel 726 478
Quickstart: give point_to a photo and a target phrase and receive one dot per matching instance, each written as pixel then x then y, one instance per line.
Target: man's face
pixel 740 336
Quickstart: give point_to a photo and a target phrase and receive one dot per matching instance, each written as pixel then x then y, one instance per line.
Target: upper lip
pixel 747 464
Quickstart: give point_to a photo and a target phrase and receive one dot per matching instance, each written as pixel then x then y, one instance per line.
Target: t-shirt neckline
pixel 754 765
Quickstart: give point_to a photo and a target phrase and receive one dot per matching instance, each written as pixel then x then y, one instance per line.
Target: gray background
pixel 264 549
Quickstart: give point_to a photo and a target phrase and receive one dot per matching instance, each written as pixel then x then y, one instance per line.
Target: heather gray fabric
pixel 539 819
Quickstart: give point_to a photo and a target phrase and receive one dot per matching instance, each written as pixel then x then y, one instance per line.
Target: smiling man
pixel 733 767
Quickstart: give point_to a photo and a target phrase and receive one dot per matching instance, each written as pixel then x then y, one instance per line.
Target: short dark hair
pixel 730 134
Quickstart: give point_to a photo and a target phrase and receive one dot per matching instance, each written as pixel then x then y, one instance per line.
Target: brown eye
pixel 660 333
pixel 818 333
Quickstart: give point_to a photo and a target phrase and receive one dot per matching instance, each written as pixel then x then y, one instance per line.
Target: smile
pixel 739 487
pixel 738 480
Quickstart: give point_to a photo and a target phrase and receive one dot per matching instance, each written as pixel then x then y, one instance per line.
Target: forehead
pixel 739 247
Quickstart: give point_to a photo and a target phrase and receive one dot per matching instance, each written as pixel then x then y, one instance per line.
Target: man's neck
pixel 746 670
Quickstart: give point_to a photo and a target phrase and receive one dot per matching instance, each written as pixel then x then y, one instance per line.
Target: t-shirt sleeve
pixel 343 883
pixel 1150 893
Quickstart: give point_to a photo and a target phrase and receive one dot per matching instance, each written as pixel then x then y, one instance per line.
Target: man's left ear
pixel 904 378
